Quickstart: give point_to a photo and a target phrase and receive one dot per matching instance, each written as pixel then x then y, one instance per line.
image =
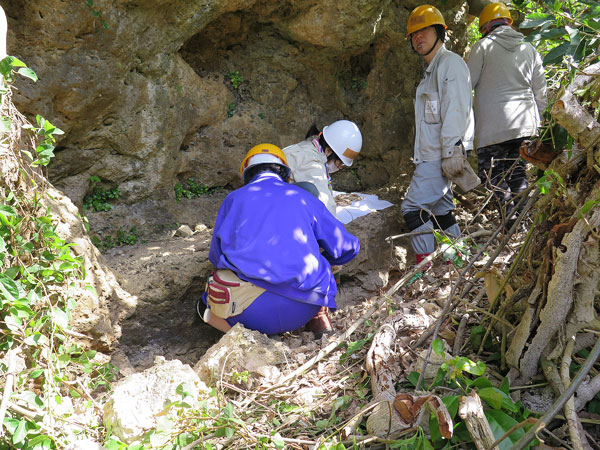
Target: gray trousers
pixel 431 192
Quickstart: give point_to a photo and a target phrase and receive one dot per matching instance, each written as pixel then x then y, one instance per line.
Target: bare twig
pixel 459 334
pixel 569 410
pixel 449 305
pixel 471 412
pixel 474 234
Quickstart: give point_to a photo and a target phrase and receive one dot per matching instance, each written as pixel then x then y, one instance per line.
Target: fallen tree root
pixel 562 292
pixel 560 402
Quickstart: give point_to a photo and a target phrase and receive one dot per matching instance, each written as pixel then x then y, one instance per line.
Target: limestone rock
pixel 167 277
pixel 240 350
pixel 97 314
pixel 144 90
pixel 435 361
pixel 184 231
pixel 376 257
pixel 138 400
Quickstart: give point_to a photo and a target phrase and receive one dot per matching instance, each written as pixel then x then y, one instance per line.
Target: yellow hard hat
pixel 494 11
pixel 263 153
pixel 422 17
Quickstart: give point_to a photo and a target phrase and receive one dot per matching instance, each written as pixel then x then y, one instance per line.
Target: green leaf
pixel 424 444
pixel 465 364
pixel 36 339
pixel 12 272
pixel 451 402
pixel 491 396
pixel 20 433
pixel 500 423
pixel 278 441
pixel 36 373
pixel 413 378
pixel 7 211
pixel 405 443
pixel 438 347
pixel 545 35
pixel 557 53
pixel 17 62
pixel 6 67
pixel 544 184
pixel 481 382
pixel 536 20
pixel 60 317
pixel 28 73
pixel 40 443
pixel 29 397
pixel 505 386
pixel 8 288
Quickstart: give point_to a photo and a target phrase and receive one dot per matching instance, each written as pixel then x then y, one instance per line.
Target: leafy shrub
pixel 99 198
pixel 235 78
pixel 192 189
pixel 38 272
pixel 122 238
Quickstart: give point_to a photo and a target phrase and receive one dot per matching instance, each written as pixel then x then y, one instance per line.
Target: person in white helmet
pixel 322 153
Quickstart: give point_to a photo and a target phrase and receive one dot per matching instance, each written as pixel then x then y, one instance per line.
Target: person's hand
pixel 454 165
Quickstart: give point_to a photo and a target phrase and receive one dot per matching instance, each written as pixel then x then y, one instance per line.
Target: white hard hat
pixel 345 140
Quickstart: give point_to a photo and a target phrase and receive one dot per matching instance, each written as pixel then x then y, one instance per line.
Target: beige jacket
pixel 308 164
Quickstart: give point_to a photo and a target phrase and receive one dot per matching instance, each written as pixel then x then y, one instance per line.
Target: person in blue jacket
pixel 279 239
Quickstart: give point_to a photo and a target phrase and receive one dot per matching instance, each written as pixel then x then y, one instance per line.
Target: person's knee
pixel 415 219
pixel 445 221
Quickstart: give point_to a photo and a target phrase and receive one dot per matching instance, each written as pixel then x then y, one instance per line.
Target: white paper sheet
pixel 368 204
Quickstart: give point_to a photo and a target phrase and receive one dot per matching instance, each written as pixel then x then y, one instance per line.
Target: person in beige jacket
pixel 322 153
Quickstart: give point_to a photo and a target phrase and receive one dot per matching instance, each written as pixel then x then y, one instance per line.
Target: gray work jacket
pixel 443 112
pixel 510 87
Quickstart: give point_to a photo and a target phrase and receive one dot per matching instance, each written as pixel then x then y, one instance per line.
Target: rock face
pixel 150 94
pixel 138 401
pixel 168 276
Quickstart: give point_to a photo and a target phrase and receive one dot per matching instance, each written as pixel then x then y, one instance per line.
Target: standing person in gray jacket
pixel 510 97
pixel 443 128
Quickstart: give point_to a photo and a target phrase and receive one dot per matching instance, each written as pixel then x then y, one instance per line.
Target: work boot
pixel 320 324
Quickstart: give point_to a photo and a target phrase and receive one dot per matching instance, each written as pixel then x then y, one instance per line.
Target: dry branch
pixel 471 412
pixel 384 420
pixel 573 117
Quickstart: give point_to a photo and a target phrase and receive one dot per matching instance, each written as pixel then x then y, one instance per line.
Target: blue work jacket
pixel 281 238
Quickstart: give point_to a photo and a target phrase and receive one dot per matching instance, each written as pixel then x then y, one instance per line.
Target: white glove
pixel 453 166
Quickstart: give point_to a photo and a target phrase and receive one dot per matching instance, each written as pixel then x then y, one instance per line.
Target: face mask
pixel 331 167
